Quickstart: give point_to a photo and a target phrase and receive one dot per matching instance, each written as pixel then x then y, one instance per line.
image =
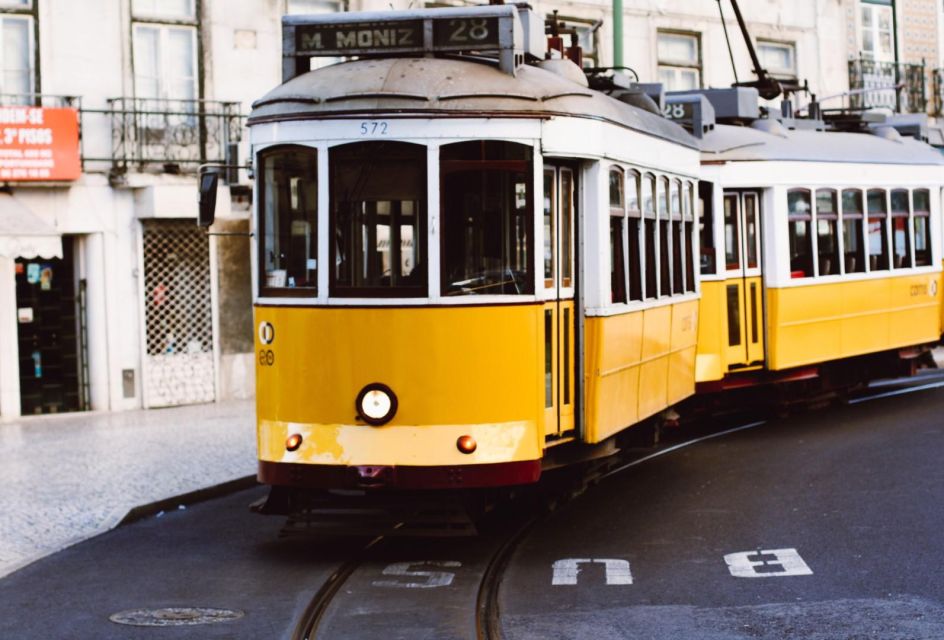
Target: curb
pixel 193 497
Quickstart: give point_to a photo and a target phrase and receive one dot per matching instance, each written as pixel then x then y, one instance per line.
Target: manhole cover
pixel 174 616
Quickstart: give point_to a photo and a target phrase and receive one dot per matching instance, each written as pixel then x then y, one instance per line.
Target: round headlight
pixel 376 404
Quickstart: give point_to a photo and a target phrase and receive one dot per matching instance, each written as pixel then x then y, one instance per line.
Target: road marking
pixel 767 563
pixel 899 392
pixel 433 579
pixel 685 444
pixel 567 570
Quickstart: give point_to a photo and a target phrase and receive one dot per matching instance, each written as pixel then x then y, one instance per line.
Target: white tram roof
pixel 450 87
pixel 729 143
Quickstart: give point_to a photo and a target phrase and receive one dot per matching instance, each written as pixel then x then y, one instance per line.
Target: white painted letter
pixel 567 570
pixel 433 578
pixel 766 563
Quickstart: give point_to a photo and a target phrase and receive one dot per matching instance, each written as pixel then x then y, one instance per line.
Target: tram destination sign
pixel 362 38
pixel 492 30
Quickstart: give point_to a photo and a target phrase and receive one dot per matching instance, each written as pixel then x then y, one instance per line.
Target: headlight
pixel 376 404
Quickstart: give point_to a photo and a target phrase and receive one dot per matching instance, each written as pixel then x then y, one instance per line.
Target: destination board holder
pixel 494 29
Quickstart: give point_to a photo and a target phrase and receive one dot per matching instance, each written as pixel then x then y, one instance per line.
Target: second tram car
pixel 821 252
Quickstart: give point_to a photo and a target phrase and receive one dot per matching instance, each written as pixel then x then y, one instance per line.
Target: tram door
pixel 559 280
pixel 743 284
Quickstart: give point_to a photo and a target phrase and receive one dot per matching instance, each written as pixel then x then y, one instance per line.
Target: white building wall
pixel 85 50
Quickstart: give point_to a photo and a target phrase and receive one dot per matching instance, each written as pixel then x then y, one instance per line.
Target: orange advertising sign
pixel 38 143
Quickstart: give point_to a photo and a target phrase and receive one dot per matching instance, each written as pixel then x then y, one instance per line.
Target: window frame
pixel 832 220
pixel 338 291
pixel 265 291
pixel 779 73
pixel 677 65
pixel 535 264
pixel 811 234
pixel 634 238
pixel 858 219
pixel 31 13
pixel 619 289
pixel 926 216
pixel 894 215
pixel 164 24
pixel 885 217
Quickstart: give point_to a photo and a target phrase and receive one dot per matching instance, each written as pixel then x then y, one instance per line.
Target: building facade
pixel 111 298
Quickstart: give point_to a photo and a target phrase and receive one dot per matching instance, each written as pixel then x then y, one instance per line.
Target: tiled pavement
pixel 66 478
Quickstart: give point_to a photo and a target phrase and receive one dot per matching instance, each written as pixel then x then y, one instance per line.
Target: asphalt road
pixel 825 525
pixel 847 506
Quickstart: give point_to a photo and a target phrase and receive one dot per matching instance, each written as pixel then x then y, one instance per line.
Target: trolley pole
pixel 617 33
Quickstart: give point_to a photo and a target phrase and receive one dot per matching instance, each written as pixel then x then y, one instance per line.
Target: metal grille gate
pixel 179 360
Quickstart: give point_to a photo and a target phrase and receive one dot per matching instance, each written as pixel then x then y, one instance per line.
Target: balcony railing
pixel 897 86
pixel 174 136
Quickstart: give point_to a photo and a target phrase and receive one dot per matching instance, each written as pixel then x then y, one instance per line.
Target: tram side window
pixel 649 234
pixel 678 246
pixel 550 227
pixel 878 238
pixel 922 227
pixel 634 221
pixel 289 221
pixel 689 197
pixel 617 252
pixel 665 284
pixel 486 219
pixel 799 220
pixel 827 235
pixel 378 219
pixel 706 228
pixel 852 237
pixel 901 232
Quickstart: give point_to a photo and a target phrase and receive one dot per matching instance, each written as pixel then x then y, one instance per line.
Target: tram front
pixel 400 340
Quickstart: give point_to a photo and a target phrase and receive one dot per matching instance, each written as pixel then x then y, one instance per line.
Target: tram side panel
pixel 638 364
pixel 818 323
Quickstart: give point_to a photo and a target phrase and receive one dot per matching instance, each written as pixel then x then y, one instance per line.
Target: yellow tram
pixel 473 263
pixel 442 238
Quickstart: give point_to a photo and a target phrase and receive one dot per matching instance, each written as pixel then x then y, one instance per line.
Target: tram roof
pixel 450 86
pixel 729 143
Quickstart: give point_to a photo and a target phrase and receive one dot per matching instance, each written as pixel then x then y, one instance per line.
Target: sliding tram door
pixel 744 282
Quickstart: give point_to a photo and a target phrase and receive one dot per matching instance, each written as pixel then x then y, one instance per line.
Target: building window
pixel 315 7
pixel 779 58
pixel 876 24
pixel 165 49
pixel 17 51
pixel 679 56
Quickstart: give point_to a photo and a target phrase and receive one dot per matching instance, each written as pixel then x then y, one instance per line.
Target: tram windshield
pixel 378 212
pixel 486 218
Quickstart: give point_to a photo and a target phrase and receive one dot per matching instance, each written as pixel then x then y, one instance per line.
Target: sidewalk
pixel 66 478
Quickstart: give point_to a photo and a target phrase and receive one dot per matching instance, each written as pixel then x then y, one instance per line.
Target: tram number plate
pixel 678 111
pixel 465 32
pixel 266 357
pixel 374 128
